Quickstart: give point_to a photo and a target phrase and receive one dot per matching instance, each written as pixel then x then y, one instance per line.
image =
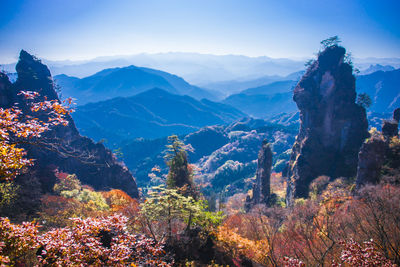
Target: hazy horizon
pixel 121 56
pixel 84 30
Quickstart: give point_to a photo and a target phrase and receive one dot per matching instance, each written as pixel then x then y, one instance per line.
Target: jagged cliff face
pixel 332 127
pixel 379 152
pixel 261 189
pixel 69 152
pixel 370 161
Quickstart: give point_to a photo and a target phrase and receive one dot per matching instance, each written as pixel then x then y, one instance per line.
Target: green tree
pixel 331 41
pixel 180 173
pixel 70 187
pixel 364 100
pixel 166 211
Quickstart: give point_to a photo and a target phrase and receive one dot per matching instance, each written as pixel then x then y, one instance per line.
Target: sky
pixel 85 29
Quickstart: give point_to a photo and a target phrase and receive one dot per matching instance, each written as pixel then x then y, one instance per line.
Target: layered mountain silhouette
pixel 384 89
pixel 269 100
pixel 230 87
pixel 377 67
pixel 151 114
pixel 127 81
pixel 272 88
pixel 265 101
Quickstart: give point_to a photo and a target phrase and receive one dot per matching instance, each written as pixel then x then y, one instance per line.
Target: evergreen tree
pixel 364 100
pixel 180 173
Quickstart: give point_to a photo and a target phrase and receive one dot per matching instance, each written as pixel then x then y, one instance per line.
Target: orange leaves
pixel 311 233
pixel 239 246
pixel 250 235
pixel 12 160
pixel 16 128
pixel 118 199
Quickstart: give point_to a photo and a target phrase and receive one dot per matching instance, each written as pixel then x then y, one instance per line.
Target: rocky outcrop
pixel 63 147
pixel 396 114
pixel 378 155
pixel 390 128
pixel 370 160
pixel 261 188
pixel 332 126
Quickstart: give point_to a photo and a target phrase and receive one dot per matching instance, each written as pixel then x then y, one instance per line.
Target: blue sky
pixel 84 29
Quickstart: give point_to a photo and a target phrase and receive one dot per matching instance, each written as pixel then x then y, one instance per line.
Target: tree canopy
pixel 331 41
pixel 180 173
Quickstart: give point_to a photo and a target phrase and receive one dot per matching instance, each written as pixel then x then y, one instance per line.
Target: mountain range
pixel 194 67
pixel 161 112
pixel 377 67
pixel 127 81
pixel 274 98
pixel 384 89
pixel 236 86
pixel 198 69
pixel 151 114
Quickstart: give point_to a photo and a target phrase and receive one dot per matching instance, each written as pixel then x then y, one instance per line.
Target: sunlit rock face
pixel 333 126
pixel 63 147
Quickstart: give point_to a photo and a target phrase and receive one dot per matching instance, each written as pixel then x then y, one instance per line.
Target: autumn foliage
pixel 337 227
pixel 95 242
pixel 17 128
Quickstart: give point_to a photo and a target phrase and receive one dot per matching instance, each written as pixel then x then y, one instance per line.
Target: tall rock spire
pixel 261 188
pixel 332 125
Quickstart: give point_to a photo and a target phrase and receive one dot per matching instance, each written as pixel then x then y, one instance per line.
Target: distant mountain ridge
pixel 151 114
pixel 198 69
pixel 235 86
pixel 384 89
pixel 271 88
pixel 276 97
pixel 262 105
pixel 125 82
pixel 194 67
pixel 265 101
pixel 377 67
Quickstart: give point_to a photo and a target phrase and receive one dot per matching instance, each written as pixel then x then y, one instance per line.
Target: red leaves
pixel 16 128
pixel 16 240
pixel 95 242
pixel 365 255
pixel 290 262
pixel 103 241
